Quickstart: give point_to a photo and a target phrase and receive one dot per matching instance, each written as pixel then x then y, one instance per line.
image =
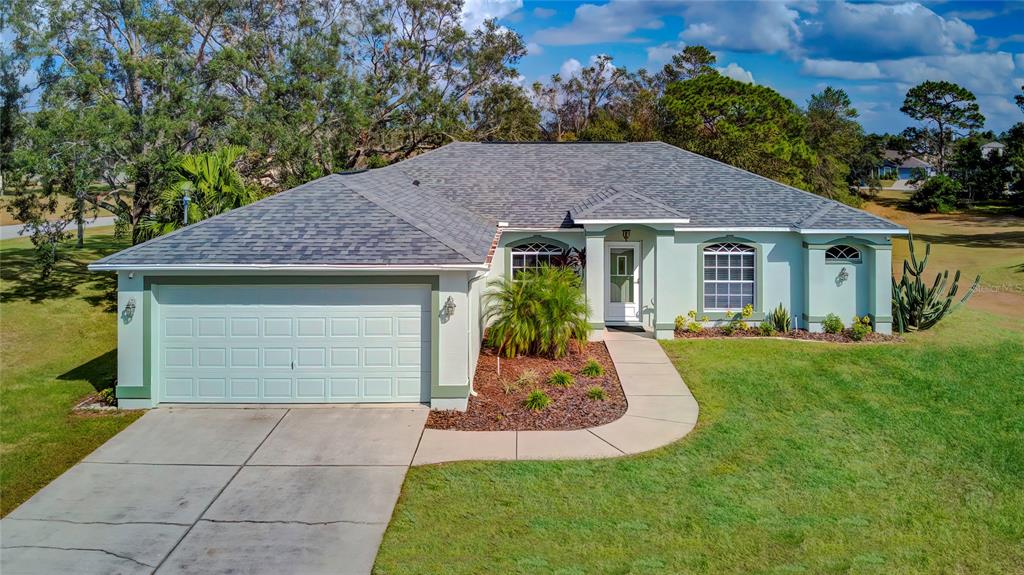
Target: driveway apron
pixel 223 490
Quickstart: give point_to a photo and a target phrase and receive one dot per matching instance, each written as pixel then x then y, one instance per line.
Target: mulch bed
pixel 844 337
pixel 492 409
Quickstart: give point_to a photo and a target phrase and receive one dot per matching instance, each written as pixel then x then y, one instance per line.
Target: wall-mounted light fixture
pixel 449 307
pixel 185 201
pixel 625 235
pixel 129 310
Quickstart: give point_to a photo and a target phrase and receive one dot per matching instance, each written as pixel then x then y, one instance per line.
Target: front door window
pixel 622 275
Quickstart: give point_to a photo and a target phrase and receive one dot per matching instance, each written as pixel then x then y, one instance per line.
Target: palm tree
pixel 212 186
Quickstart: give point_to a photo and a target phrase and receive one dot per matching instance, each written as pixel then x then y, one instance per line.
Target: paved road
pixel 13 231
pixel 212 490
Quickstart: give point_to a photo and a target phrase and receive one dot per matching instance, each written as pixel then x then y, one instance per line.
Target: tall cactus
pixel 914 304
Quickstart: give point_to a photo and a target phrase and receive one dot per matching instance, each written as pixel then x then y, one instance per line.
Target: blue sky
pixel 875 51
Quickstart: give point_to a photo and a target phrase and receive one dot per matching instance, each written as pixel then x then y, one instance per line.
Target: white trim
pixel 892 232
pixel 283 268
pixel 635 221
pixel 544 230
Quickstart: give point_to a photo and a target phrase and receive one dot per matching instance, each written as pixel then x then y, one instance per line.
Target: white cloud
pixel 867 32
pixel 474 12
pixel 570 68
pixel 544 12
pixel 534 49
pixel 841 69
pixel 737 73
pixel 659 55
pixel 611 22
pixel 756 27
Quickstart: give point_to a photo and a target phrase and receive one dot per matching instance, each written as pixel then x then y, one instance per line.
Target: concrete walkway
pixel 660 410
pixel 223 490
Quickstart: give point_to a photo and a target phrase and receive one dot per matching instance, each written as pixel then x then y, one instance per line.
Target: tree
pixel 212 186
pixel 980 177
pixel 505 113
pixel 693 61
pixel 751 127
pixel 946 108
pixel 835 136
pixel 936 194
pixel 13 66
pixel 1019 98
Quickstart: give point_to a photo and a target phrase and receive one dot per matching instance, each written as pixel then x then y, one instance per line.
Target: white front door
pixel 622 262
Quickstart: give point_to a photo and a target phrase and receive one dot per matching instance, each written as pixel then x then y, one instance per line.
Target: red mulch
pixel 844 337
pixel 492 409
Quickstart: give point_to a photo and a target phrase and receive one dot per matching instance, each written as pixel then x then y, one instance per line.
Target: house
pixel 899 166
pixel 992 148
pixel 369 286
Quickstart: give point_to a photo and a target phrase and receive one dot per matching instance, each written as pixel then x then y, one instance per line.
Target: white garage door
pixel 303 344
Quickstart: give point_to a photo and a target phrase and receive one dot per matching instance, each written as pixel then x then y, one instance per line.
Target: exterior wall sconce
pixel 625 235
pixel 449 307
pixel 129 310
pixel 842 277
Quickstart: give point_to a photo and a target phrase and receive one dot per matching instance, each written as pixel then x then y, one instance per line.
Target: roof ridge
pixel 632 191
pixel 817 215
pixel 415 222
pixel 212 218
pixel 795 189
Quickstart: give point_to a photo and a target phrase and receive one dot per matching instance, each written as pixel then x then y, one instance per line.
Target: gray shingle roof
pixel 622 202
pixel 443 207
pixel 335 220
pixel 535 185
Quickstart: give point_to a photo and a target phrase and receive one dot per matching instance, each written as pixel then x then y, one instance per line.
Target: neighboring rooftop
pixel 442 207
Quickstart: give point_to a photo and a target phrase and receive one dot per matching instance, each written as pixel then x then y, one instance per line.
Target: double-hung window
pixel 532 256
pixel 728 276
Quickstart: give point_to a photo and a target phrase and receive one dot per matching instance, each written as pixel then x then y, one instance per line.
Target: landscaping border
pixel 660 410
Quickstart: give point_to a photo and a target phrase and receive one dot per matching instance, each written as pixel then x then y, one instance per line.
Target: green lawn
pixel 57 344
pixel 808 458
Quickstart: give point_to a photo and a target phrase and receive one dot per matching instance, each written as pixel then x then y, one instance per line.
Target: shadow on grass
pixel 990 240
pixel 20 279
pixel 98 371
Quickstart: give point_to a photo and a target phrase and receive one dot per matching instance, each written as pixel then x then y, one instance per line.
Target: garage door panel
pixel 294 344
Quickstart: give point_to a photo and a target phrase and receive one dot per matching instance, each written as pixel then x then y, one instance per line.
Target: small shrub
pixel 766 329
pixel 936 194
pixel 780 319
pixel 510 388
pixel 108 396
pixel 592 369
pixel 730 328
pixel 537 400
pixel 597 393
pixel 832 324
pixel 527 378
pixel 680 323
pixel 860 328
pixel 561 379
pixel 694 326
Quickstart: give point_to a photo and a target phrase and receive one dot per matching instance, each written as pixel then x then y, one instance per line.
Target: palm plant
pixel 212 186
pixel 539 312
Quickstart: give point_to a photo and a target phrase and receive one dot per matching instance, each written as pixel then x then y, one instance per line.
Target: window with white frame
pixel 533 255
pixel 728 276
pixel 842 254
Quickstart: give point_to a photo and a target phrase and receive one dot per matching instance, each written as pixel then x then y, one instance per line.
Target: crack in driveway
pixel 111 553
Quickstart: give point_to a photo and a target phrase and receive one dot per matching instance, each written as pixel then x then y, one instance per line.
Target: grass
pixel 808 458
pixel 57 345
pixel 982 241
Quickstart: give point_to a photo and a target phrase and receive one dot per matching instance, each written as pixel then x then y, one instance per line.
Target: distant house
pixel 900 166
pixel 992 148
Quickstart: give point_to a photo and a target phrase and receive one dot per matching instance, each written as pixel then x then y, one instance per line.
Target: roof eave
pixel 277 268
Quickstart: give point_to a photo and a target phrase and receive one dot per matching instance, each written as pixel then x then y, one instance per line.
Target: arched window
pixel 533 255
pixel 842 254
pixel 728 276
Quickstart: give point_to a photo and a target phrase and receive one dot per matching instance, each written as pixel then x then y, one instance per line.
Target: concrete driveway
pixel 219 490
